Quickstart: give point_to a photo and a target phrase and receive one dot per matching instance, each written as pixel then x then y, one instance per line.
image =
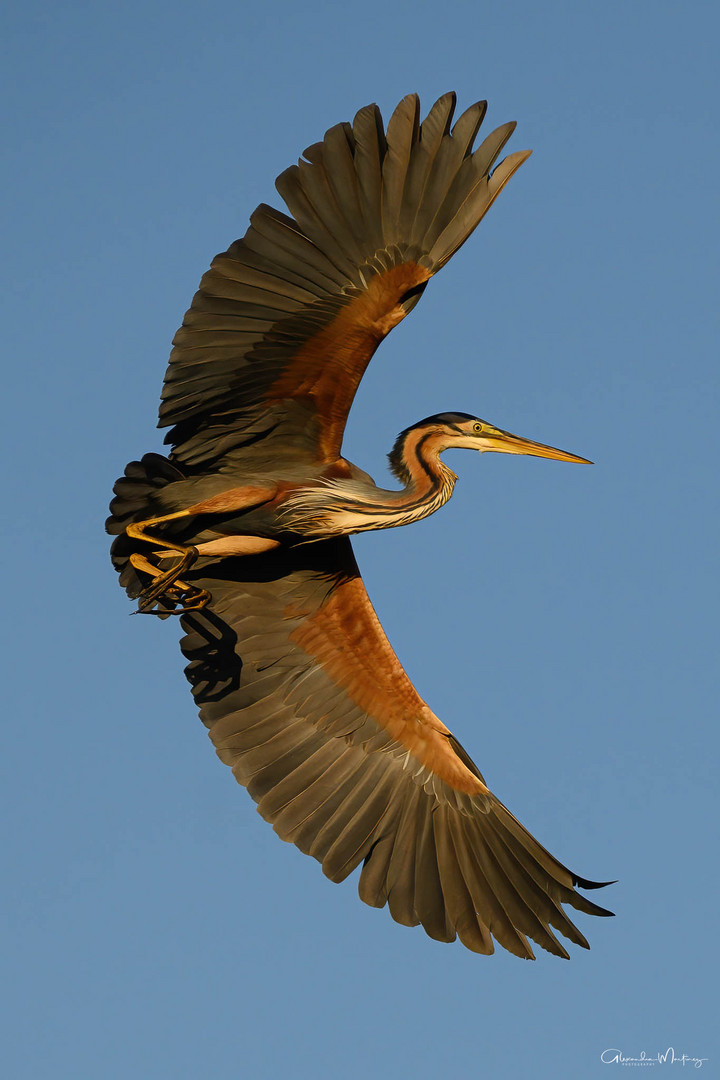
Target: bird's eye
pixel 477 428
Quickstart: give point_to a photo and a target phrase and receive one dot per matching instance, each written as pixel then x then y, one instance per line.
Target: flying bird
pixel 243 531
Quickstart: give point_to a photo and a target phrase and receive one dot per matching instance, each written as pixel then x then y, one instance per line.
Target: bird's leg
pixel 166 584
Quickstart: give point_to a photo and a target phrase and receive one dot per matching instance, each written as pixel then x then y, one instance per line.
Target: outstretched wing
pixel 307 702
pixel 286 320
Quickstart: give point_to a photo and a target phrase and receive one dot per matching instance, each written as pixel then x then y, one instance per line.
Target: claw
pixel 188 597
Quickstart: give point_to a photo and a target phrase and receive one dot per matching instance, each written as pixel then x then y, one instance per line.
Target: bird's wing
pixel 307 702
pixel 286 320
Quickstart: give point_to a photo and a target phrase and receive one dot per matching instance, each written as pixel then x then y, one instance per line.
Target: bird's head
pixel 450 430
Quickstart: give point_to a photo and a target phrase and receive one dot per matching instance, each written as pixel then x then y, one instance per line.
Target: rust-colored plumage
pixel 243 531
pixel 345 637
pixel 327 368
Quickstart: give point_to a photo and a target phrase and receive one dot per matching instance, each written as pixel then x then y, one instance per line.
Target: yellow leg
pixel 166 585
pixel 138 530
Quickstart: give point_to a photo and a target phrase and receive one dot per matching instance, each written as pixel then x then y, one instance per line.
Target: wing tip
pixel 585 883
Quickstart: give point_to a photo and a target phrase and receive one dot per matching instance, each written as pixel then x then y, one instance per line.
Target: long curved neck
pixel 415 460
pixel 357 505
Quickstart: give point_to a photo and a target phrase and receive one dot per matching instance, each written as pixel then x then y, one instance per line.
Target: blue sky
pixel 561 620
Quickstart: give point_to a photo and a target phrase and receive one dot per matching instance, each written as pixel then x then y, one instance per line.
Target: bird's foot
pixel 178 599
pixel 166 594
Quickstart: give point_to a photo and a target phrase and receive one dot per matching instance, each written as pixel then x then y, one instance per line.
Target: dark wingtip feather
pixel 587 905
pixel 585 884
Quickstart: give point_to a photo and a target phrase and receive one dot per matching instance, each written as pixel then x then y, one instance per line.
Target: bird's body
pixel 243 531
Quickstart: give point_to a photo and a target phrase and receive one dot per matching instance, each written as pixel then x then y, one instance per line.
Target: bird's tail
pixel 135 496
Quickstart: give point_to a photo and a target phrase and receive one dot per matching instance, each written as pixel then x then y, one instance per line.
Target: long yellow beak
pixel 505 443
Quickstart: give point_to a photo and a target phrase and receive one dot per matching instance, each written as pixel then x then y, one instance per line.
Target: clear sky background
pixel 561 620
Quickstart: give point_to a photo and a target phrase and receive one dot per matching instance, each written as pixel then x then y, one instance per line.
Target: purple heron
pixel 243 531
